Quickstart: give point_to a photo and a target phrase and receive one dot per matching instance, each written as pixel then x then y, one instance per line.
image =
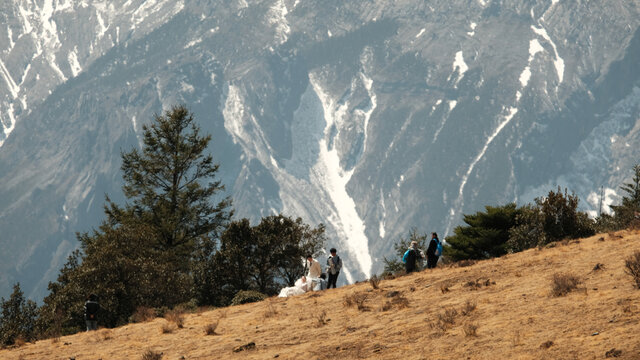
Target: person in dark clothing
pixel 334 264
pixel 412 257
pixel 433 251
pixel 91 308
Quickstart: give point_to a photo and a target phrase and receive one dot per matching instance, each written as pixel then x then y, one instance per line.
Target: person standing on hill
pixel 434 251
pixel 315 270
pixel 412 257
pixel 334 264
pixel 91 308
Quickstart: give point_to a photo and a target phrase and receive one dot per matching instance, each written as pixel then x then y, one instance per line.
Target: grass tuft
pixel 375 282
pixel 176 317
pixel 632 267
pixel 210 329
pixel 152 355
pixel 143 314
pixel 563 283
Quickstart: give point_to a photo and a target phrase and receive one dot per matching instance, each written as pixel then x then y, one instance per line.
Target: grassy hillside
pixel 495 309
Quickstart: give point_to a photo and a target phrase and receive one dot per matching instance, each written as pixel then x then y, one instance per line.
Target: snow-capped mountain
pixel 372 117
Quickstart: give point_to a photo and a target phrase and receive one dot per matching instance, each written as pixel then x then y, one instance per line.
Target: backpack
pixel 337 264
pixel 412 257
pixel 438 251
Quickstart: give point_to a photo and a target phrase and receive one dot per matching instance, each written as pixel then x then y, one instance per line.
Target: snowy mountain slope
pixel 371 117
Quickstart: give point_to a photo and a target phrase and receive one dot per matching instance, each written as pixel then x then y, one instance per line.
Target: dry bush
pixel 470 329
pixel 19 341
pixel 468 307
pixel 176 317
pixel 465 263
pixel 168 328
pixel 546 344
pixel 445 320
pixel 444 288
pixel 152 355
pixel 400 301
pixel 632 267
pixel 271 311
pixel 105 334
pixel 613 353
pixel 322 319
pixel 479 283
pixel 386 306
pixel 357 299
pixel 562 284
pixel 210 329
pixel 375 281
pixel 143 314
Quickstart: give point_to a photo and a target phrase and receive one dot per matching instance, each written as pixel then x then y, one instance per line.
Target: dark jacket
pixel 431 250
pixel 91 309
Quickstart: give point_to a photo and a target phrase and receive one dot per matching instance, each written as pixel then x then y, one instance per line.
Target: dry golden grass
pixel 513 316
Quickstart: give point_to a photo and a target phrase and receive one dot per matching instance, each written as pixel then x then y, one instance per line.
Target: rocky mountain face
pixel 372 117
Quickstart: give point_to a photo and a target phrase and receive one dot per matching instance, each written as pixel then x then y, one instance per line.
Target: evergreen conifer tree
pixel 626 212
pixel 170 184
pixel 143 254
pixel 18 318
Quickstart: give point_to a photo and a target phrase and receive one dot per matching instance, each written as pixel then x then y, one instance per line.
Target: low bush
pixel 375 281
pixel 247 296
pixel 142 314
pixel 632 267
pixel 358 300
pixel 562 284
pixel 152 355
pixel 470 329
pixel 210 329
pixel 176 317
pixel 167 328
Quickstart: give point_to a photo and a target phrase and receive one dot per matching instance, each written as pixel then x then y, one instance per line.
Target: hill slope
pixel 515 316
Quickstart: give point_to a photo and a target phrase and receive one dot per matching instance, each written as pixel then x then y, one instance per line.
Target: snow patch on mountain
pixel 534 48
pixel 278 16
pixel 13 87
pixel 334 179
pixel 473 29
pixel 73 62
pixel 558 62
pixel 460 66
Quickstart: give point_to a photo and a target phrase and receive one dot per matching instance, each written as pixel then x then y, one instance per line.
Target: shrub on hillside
pixel 632 267
pixel 152 355
pixel 247 296
pixel 142 314
pixel 562 284
pixel 17 318
pixel 626 212
pixel 485 235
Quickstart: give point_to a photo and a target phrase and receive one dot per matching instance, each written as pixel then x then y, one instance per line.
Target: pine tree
pixel 626 212
pixel 171 183
pixel 143 254
pixel 485 235
pixel 18 318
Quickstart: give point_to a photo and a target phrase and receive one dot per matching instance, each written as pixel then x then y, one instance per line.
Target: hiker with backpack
pixel 434 251
pixel 334 264
pixel 412 258
pixel 91 308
